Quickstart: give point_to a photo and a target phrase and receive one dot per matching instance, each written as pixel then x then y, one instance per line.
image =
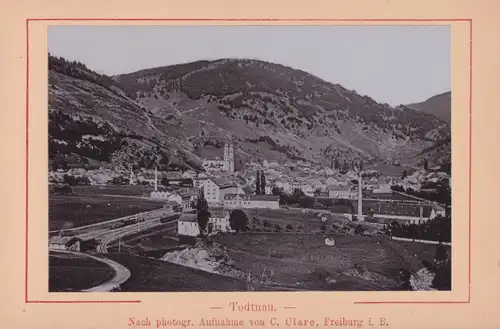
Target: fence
pixel 420 241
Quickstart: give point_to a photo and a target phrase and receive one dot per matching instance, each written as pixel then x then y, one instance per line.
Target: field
pixel 69 272
pixel 306 262
pixel 66 211
pixel 150 275
pixel 306 221
pixel 133 190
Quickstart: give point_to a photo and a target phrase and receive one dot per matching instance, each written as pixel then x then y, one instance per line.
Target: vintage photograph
pixel 249 158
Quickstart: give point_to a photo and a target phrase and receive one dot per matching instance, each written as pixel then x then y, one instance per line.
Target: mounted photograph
pixel 249 158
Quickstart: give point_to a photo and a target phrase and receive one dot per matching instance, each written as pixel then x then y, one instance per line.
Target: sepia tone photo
pixel 249 158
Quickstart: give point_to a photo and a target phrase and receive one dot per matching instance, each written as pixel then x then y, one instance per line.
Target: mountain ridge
pixel 271 111
pixel 438 105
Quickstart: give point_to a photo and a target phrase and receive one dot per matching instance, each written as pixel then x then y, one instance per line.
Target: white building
pixel 219 221
pixel 223 165
pixel 167 195
pixel 214 189
pixel 341 192
pixel 382 188
pixel 251 201
pixel 187 225
pixel 437 211
pixel 64 243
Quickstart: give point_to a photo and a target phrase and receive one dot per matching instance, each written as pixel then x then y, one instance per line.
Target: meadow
pixel 68 272
pixel 67 211
pixel 306 262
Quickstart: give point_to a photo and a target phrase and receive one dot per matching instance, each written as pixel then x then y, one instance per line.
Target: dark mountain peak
pixel 437 105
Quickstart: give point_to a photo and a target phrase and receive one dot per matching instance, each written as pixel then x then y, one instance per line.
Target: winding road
pixel 105 235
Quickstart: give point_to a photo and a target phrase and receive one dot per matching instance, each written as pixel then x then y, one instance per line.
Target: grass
pixel 151 275
pixel 305 261
pixel 67 211
pixel 69 272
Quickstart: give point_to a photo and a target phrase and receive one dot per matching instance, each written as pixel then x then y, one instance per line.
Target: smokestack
pixel 156 179
pixel 360 196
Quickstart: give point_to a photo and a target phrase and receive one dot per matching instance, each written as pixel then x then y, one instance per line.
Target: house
pixel 341 192
pixel 72 243
pixel 214 189
pixel 437 210
pixel 219 221
pixel 199 181
pixel 188 198
pixel 171 196
pixel 189 174
pixel 251 201
pixel 382 189
pixel 410 213
pixel 180 182
pixel 187 226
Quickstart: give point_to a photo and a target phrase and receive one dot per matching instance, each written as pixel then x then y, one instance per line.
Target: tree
pixel 277 191
pixel 203 215
pixel 426 165
pixel 257 183
pixel 442 268
pixel 359 230
pixel 238 220
pixel 262 183
pixel 403 176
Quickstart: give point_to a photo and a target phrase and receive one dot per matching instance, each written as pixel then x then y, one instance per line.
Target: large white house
pixel 214 189
pixel 223 165
pixel 251 201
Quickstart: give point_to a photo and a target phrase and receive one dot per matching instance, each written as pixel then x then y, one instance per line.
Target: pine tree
pixel 404 174
pixel 262 183
pixel 257 183
pixel 202 211
pixel 426 165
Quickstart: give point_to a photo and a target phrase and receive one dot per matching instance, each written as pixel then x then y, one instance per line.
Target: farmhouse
pixel 251 201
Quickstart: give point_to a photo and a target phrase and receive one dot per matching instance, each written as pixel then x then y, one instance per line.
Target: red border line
pixel 27 162
pixel 243 20
pixel 260 19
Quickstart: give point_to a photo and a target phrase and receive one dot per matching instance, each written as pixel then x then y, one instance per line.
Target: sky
pixel 391 64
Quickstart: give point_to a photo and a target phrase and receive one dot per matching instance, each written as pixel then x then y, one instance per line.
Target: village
pixel 370 195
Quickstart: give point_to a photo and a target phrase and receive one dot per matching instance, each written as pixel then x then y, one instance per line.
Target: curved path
pixel 122 274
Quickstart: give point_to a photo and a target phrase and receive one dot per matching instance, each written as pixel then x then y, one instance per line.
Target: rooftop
pixel 188 217
pixel 252 197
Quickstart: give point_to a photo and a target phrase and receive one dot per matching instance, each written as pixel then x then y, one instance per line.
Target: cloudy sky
pixel 391 64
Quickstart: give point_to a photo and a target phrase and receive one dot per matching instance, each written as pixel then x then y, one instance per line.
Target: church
pixel 224 165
